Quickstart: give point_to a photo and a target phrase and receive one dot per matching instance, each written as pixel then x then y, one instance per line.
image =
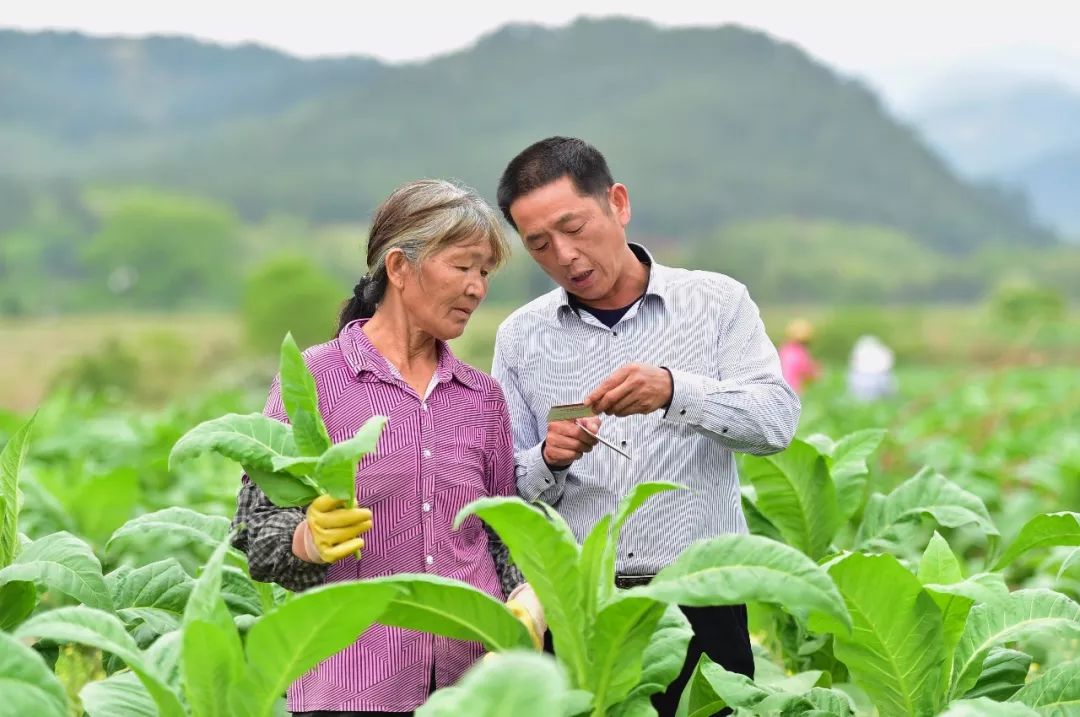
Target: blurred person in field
pixel 431 249
pixel 870 370
pixel 796 363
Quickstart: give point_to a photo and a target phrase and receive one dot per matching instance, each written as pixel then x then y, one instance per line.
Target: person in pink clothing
pixel 797 365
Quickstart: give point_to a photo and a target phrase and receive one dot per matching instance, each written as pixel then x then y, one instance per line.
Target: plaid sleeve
pixel 264 532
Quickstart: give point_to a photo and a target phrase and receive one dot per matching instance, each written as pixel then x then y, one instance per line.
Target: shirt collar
pixel 657 285
pixel 363 358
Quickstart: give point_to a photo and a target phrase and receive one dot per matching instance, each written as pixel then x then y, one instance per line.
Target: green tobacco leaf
pixel 1042 531
pixel 119 694
pixel 290 640
pixel 927 493
pixel 595 589
pixel 711 688
pixel 734 569
pixel 451 608
pixel 87 626
pixel 211 659
pixel 522 684
pixel 1003 672
pixel 285 490
pixel 796 494
pixel 1054 692
pixel 299 466
pixel 986 707
pixel 205 530
pixel 980 588
pixel 336 469
pixel 63 563
pixel 847 466
pixel 11 460
pixel 252 440
pixel 661 662
pixel 624 628
pixel 939 564
pixel 1020 614
pixel 894 651
pixel 27 684
pixel 548 558
pixel 163 584
pixel 301 402
pixel 17 600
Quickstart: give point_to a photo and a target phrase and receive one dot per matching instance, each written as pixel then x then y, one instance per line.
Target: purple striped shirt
pixel 434 456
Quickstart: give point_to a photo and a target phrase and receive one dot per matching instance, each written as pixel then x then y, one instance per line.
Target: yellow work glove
pixel 522 613
pixel 335 529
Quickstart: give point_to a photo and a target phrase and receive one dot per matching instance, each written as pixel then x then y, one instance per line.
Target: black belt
pixel 630 581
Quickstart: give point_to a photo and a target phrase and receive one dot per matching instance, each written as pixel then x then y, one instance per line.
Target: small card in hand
pixel 569 412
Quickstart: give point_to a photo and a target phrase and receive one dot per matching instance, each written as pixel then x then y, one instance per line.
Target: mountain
pixel 707 127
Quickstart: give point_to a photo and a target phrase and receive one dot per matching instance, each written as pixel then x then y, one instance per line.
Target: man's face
pixel 579 241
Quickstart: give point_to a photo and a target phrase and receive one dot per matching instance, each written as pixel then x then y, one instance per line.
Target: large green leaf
pixel 430 603
pixel 601 545
pixel 63 563
pixel 521 684
pixel 548 558
pixel 624 628
pixel 87 626
pixel 119 694
pixel 847 466
pixel 894 651
pixel 927 493
pixel 27 685
pixel 1054 692
pixel 796 494
pixel 201 529
pixel 939 566
pixel 252 440
pixel 212 667
pixel 1042 531
pixel 661 662
pixel 163 584
pixel 211 659
pixel 734 569
pixel 17 600
pixel 1003 672
pixel 284 489
pixel 1018 615
pixel 711 688
pixel 11 459
pixel 336 469
pixel 986 707
pixel 290 640
pixel 301 402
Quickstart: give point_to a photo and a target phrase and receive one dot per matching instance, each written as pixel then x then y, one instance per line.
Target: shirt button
pixel 427 453
pixel 426 507
pixel 423 406
pixel 429 560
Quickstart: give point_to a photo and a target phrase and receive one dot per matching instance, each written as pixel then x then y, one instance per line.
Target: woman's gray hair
pixel 422 218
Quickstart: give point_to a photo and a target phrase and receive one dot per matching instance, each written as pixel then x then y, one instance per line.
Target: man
pixel 677 360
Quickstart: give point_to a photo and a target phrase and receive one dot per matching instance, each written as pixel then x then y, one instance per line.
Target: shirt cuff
pixel 534 478
pixel 687 398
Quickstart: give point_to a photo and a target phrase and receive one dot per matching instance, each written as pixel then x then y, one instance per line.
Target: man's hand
pixel 632 389
pixel 330 531
pixel 565 442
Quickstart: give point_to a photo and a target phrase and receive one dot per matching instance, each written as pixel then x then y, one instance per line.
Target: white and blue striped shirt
pixel 729 396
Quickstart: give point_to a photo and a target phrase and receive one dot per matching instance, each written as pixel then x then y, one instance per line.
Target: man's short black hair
pixel 549 160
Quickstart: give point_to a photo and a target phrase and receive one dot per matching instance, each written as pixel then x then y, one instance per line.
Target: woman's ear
pixel 397 268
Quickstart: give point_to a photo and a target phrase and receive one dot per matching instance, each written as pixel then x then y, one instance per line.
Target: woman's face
pixel 448 286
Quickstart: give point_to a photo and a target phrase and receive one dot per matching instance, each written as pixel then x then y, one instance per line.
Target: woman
pixel 430 251
pixel 796 363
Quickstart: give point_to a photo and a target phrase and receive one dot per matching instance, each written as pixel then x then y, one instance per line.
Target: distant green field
pixel 157 356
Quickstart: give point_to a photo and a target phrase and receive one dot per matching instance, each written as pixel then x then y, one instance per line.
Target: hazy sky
pixel 900 45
